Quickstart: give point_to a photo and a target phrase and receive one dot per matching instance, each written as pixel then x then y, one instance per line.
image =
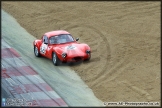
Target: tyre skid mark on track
pixel 117 69
pixel 95 59
pixel 108 50
pixel 113 72
pixel 138 90
pixel 92 44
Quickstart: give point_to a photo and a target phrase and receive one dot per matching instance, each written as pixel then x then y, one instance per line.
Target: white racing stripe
pixel 27 79
pixel 42 95
pixel 35 96
pixel 3 85
pixel 35 79
pixel 4 44
pixel 3 67
pixel 11 82
pixel 26 96
pixel 22 79
pixel 53 94
pixel 12 62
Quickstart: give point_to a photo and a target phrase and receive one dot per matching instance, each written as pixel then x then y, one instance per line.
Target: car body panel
pixel 55 33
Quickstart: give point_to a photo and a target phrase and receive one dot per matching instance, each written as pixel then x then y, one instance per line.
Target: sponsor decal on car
pixel 70 47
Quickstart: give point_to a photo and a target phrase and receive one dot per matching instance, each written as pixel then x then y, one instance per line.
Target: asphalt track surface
pixel 61 79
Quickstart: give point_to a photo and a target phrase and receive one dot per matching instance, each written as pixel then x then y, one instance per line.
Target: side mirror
pixel 77 39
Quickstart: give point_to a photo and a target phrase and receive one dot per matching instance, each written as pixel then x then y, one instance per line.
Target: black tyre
pixel 36 52
pixel 55 59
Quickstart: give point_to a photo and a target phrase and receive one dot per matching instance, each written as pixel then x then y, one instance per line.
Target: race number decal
pixel 43 48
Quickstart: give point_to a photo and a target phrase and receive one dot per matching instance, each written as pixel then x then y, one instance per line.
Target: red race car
pixel 59 46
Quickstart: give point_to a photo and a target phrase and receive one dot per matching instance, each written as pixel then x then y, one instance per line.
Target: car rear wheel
pixel 55 59
pixel 36 52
